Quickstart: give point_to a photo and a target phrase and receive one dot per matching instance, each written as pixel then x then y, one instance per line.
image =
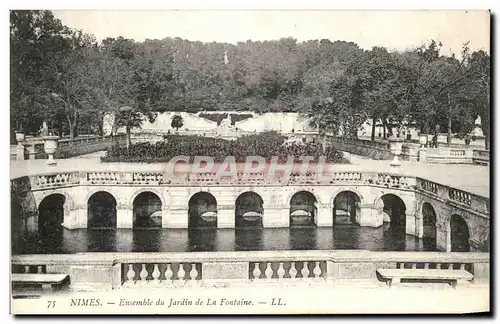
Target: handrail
pixel 459 197
pixel 242 256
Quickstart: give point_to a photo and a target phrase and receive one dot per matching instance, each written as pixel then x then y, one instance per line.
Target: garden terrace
pixel 266 145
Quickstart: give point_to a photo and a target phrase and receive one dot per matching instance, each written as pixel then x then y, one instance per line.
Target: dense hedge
pixel 265 145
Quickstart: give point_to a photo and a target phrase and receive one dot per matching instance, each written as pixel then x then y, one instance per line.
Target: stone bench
pixel 394 276
pixel 48 281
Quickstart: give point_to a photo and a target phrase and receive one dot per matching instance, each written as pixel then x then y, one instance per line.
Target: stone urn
pixel 422 139
pixel 20 146
pixel 50 147
pixel 396 146
pixel 20 137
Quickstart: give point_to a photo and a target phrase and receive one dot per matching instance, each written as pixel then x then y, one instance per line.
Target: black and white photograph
pixel 249 161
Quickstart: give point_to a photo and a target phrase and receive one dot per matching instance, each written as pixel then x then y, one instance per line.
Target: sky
pixel 396 30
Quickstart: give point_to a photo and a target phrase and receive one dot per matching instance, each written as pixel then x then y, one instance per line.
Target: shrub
pixel 266 145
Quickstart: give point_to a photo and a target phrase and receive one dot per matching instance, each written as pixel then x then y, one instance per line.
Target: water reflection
pixel 342 236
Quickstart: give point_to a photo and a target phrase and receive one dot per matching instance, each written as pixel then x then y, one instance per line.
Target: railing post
pixel 20 151
pixel 117 276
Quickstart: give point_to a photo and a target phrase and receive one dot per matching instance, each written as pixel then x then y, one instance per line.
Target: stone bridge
pixel 421 207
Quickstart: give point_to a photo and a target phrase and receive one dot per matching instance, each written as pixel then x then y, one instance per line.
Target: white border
pixel 191 4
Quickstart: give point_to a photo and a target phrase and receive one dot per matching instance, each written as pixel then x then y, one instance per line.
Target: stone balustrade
pixel 378 179
pixel 55 180
pixel 52 180
pixel 462 198
pixel 72 147
pixel 379 149
pixel 106 271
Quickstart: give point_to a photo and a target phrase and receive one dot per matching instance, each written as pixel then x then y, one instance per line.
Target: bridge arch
pixel 394 209
pixel 202 210
pixel 101 210
pixel 290 195
pixel 429 220
pixel 249 209
pixel 51 211
pixel 346 206
pixel 353 189
pixel 17 223
pixel 69 201
pixel 147 209
pixel 303 208
pixel 158 193
pixel 460 233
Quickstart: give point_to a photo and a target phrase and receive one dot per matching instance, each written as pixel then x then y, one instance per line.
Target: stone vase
pixel 422 139
pixel 396 146
pixel 50 147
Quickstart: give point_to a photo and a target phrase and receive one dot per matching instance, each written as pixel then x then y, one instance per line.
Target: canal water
pixel 340 237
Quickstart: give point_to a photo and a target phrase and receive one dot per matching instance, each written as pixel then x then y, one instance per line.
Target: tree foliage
pixel 64 76
pixel 177 122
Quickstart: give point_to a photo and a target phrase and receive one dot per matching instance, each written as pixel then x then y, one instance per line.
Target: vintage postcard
pixel 249 162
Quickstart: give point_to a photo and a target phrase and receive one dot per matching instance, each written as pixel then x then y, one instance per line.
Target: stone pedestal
pixel 443 239
pixel 98 276
pixel 76 218
pixel 31 151
pixel 225 217
pixel 481 272
pixel 411 225
pixel 277 217
pixel 369 216
pixel 177 218
pixel 324 216
pixel 124 218
pixel 422 155
pixel 419 226
pixel 20 152
pixel 32 223
pixel 225 273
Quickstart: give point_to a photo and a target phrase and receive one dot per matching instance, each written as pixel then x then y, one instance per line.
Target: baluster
pixel 426 265
pixel 39 269
pixel 462 266
pixel 256 271
pixel 438 266
pixel 281 271
pixel 194 273
pixel 181 273
pixel 450 266
pixel 130 273
pixel 414 265
pixel 305 270
pixel 317 270
pixel 27 269
pixel 293 270
pixel 156 273
pixel 144 273
pixel 169 273
pixel 269 271
pixel 401 265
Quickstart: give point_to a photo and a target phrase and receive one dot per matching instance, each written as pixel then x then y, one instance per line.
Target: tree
pixel 177 122
pixel 70 88
pixel 479 66
pixel 110 84
pixel 37 39
pixel 129 118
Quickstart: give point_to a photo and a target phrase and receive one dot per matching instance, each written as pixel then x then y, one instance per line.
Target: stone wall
pixel 280 122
